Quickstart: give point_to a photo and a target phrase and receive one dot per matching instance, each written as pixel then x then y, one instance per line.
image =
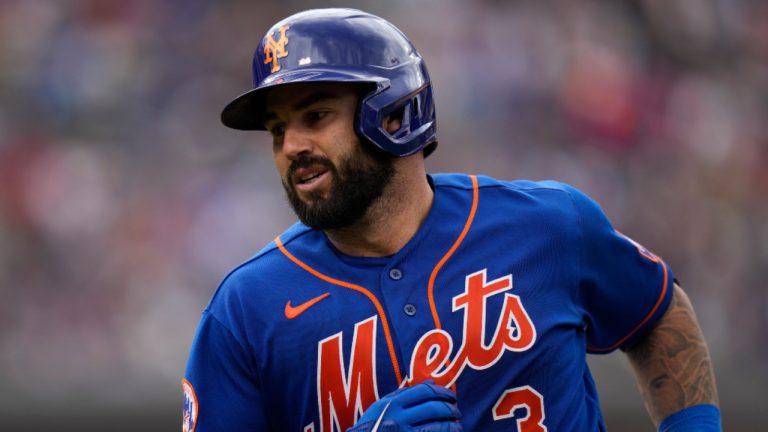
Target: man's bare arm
pixel 672 364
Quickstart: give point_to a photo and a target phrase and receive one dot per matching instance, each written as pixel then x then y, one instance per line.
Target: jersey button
pixel 395 274
pixel 409 309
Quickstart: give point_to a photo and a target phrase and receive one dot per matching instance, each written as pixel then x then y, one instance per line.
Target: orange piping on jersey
pixel 433 276
pixel 647 317
pixel 357 288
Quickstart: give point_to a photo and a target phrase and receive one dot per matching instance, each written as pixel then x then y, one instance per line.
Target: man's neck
pixel 391 221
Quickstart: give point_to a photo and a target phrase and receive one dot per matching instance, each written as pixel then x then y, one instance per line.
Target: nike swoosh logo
pixel 292 312
pixel 381 417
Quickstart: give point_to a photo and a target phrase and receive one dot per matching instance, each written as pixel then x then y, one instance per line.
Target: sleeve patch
pixel 641 249
pixel 189 420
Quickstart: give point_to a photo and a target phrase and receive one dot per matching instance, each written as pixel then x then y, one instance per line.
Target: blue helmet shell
pixel 345 46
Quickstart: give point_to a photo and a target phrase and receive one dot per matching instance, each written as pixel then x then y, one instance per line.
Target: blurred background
pixel 124 201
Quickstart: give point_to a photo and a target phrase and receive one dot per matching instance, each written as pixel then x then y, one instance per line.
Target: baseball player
pixel 404 301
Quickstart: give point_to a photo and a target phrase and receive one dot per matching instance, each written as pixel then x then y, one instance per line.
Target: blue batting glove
pixel 425 407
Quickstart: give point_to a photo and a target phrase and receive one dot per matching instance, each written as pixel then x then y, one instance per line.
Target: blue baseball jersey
pixel 500 295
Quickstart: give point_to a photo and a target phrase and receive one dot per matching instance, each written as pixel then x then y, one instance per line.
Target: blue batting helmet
pixel 346 46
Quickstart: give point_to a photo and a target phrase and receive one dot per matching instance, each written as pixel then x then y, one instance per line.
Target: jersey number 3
pixel 522 397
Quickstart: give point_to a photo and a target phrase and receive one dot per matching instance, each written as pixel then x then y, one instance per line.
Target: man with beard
pixel 363 172
pixel 401 297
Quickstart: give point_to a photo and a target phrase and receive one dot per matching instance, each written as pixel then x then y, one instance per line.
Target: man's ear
pixel 393 122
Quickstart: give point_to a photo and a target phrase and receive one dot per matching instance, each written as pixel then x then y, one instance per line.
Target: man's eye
pixel 277 130
pixel 316 116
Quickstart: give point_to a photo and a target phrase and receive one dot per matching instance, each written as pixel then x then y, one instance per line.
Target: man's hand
pixel 425 407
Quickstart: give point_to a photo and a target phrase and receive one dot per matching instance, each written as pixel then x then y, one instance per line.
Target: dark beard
pixel 360 179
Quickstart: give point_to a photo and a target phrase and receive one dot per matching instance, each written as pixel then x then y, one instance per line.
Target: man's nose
pixel 295 143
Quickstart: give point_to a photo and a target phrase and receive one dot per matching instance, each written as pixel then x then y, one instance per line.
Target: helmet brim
pixel 246 112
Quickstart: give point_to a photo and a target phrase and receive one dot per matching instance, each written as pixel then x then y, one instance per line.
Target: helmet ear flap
pixel 399 118
pixel 408 115
pixel 417 121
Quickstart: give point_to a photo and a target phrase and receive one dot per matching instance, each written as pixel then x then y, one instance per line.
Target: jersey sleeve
pixel 221 390
pixel 623 287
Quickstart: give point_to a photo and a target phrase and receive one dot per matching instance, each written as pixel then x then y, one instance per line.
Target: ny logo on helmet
pixel 275 50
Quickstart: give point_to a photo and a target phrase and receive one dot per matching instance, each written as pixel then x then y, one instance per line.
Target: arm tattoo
pixel 671 362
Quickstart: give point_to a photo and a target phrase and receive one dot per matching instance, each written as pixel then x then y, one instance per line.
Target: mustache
pixel 305 161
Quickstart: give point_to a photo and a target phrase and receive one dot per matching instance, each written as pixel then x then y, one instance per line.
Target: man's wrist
pixel 697 418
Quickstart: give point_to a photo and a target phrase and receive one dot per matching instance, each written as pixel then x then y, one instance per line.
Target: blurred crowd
pixel 124 201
